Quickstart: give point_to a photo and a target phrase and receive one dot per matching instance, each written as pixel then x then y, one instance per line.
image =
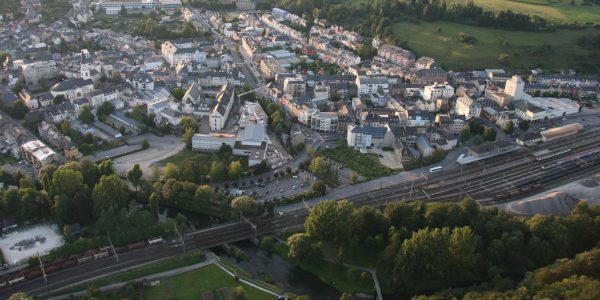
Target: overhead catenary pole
pixel 180 237
pixel 113 248
pixel 42 267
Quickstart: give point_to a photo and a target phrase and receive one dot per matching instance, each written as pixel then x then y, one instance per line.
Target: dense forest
pixel 427 247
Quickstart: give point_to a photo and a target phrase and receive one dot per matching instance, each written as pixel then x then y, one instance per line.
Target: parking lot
pixel 282 187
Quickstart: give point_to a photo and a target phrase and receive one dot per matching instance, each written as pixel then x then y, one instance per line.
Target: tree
pixel 66 182
pixel 348 296
pixel 19 296
pixel 245 205
pixel 524 125
pixel 330 221
pixel 489 134
pixel 218 171
pixel 238 293
pixel 187 122
pixel 135 176
pixel 145 144
pixel 434 258
pixel 187 137
pixel 234 170
pixel 58 99
pixel 171 171
pixel 154 206
pixel 320 167
pixel 116 76
pixel 509 128
pixel 178 93
pixel 12 203
pixel 89 171
pixel 85 115
pixel 65 127
pixel 18 110
pixel 300 247
pixel 504 59
pixel 123 11
pixel 319 187
pixel 354 178
pixel 109 194
pixel 106 109
pixel 106 168
pixel 465 135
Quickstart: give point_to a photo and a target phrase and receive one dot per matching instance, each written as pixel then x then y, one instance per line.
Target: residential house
pixel 362 137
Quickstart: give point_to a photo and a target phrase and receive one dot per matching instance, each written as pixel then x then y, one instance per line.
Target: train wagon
pixel 155 241
pixel 16 279
pixel 84 259
pixel 137 245
pixel 100 254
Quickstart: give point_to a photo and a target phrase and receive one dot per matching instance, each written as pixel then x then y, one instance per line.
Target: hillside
pixel 556 11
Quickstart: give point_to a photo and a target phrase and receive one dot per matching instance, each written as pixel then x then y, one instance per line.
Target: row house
pixel 97 97
pixel 397 55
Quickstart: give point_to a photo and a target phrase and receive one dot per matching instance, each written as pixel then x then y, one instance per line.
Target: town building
pixel 33 73
pixel 72 88
pixel 366 137
pixel 113 7
pixel 466 106
pixel 38 154
pixel 437 91
pixel 220 113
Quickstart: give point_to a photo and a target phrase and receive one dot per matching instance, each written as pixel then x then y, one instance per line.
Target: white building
pixel 175 53
pixel 362 137
pixel 37 153
pixel 220 113
pixel 437 91
pixel 113 7
pixel 466 106
pixel 212 141
pixel 34 72
pixel 514 88
pixel 72 88
pixel 369 85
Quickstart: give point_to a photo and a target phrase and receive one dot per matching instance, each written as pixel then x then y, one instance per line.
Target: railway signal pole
pixel 42 267
pixel 113 248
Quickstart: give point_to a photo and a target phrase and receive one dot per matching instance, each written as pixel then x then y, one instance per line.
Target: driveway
pixel 160 149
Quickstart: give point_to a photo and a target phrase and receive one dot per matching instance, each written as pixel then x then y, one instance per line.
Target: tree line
pixel 579 278
pixel 426 247
pixel 93 196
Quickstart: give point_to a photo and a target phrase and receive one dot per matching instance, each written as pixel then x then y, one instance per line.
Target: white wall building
pixel 437 91
pixel 466 106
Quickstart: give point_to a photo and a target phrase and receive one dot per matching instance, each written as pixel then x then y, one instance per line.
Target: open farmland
pixel 556 11
pixel 526 50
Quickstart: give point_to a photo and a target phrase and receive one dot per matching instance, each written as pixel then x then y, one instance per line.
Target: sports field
pixel 551 51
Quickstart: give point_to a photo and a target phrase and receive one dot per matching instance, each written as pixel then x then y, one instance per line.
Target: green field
pixel 556 11
pixel 525 49
pixel 193 284
pixel 7 6
pixel 365 164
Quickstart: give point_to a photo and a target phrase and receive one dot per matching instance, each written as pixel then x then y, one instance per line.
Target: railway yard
pixel 492 181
